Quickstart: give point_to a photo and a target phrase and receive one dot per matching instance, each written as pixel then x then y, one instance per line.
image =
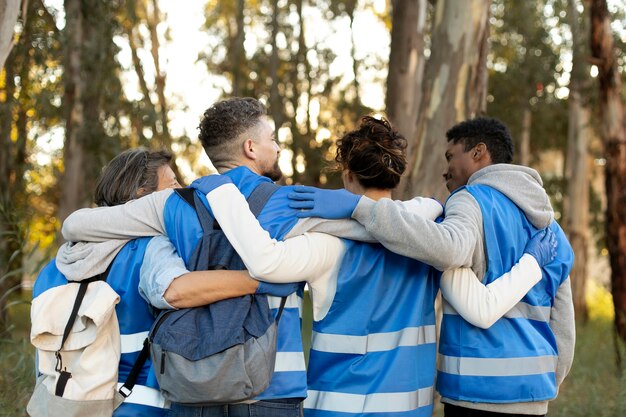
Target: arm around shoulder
pixel 137 218
pixel 446 245
pixel 302 258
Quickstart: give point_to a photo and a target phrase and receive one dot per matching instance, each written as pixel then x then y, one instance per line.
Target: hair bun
pixel 374 152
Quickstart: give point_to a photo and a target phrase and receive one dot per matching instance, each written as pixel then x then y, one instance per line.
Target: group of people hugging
pixel 373 267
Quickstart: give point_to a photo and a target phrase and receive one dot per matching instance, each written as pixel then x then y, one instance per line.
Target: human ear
pixel 248 149
pixel 479 151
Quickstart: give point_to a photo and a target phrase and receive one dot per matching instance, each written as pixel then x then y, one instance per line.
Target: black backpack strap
pixel 283 301
pixel 82 290
pixel 256 200
pixel 187 195
pixel 191 197
pixel 126 389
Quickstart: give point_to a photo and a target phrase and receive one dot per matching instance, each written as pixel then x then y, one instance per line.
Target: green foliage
pixel 594 387
pixel 17 376
pixel 17 364
pixel 301 80
pixel 524 68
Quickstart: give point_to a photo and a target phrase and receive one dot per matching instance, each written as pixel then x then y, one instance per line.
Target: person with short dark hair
pixel 515 366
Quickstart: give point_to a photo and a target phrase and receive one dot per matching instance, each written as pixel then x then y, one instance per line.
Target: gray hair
pixel 131 174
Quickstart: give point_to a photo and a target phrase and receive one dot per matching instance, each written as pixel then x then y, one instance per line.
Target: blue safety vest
pixel 515 359
pixel 135 319
pixel 184 231
pixel 374 352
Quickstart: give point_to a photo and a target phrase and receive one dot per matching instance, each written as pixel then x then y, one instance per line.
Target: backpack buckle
pixel 59 364
pixel 125 391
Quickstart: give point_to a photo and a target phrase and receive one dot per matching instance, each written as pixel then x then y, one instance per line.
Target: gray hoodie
pixel 458 242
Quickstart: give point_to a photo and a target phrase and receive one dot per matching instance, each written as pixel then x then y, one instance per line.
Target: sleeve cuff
pixel 363 211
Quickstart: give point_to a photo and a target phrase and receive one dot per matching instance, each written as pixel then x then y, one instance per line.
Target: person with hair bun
pixel 372 157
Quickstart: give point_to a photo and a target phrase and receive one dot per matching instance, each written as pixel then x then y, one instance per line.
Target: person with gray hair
pixel 130 175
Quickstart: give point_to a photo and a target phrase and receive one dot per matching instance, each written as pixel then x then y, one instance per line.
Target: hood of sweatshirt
pixel 82 260
pixel 523 186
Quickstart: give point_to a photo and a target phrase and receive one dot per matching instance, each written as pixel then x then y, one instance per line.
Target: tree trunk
pixel 7 152
pixel 9 11
pixel 303 141
pixel 276 103
pixel 350 6
pixel 614 138
pixel 524 138
pixel 132 42
pixel 165 138
pixel 576 201
pixel 454 89
pixel 73 190
pixel 406 64
pixel 238 52
pixel 89 53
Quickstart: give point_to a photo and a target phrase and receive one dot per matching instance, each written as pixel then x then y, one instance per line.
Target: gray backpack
pixel 224 352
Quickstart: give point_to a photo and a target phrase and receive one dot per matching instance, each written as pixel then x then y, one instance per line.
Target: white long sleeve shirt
pixel 315 258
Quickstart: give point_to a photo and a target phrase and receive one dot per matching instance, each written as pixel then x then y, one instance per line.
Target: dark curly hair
pixel 224 122
pixel 374 152
pixel 492 132
pixel 131 174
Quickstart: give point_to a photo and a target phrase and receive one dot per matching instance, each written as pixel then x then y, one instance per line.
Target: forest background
pixel 82 80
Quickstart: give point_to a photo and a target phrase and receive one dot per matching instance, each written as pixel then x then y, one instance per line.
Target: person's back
pixel 129 175
pixel 479 154
pixel 135 319
pixel 515 360
pixel 184 231
pixel 374 350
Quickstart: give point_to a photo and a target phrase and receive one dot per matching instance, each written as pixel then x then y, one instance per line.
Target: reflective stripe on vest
pixel 497 366
pixel 373 342
pixel 392 402
pixel 293 301
pixel 515 359
pixel 143 395
pixel 289 362
pixel 133 342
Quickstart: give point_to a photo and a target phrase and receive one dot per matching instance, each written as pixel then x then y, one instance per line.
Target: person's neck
pixel 376 193
pixel 227 166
